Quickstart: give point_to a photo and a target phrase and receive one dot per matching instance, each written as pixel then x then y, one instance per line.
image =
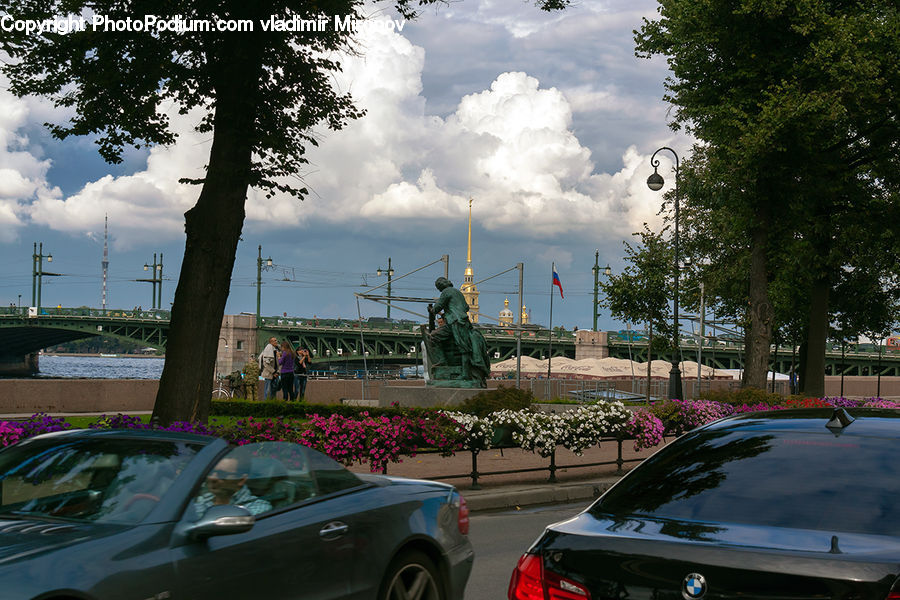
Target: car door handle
pixel 333 530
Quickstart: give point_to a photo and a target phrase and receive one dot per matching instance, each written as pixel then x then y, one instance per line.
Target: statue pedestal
pixel 425 397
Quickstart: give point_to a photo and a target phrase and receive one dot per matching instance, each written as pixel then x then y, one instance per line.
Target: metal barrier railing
pixel 475 474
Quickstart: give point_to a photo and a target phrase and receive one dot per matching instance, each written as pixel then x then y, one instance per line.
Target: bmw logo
pixel 693 587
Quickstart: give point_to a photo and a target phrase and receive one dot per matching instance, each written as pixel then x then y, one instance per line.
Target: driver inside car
pixel 226 484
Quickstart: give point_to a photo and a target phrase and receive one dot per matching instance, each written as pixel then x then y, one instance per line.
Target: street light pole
pixel 259 270
pixel 655 182
pixel 596 271
pixel 37 274
pixel 521 268
pixel 390 274
pixel 159 275
pixel 155 279
pixel 152 279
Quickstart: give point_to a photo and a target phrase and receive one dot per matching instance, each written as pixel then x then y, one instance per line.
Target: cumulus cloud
pixel 23 174
pixel 512 147
pixel 147 205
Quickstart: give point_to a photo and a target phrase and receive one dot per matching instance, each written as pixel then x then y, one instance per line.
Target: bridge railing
pixel 91 313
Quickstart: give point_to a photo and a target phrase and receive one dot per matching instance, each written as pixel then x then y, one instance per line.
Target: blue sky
pixel 546 120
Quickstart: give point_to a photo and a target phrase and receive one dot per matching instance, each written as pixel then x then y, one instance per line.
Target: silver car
pixel 107 514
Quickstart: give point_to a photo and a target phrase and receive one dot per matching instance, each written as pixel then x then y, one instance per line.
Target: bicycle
pixel 222 390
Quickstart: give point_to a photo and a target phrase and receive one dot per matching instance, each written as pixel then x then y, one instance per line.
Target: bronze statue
pixel 456 351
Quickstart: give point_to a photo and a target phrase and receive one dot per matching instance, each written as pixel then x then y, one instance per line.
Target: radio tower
pixel 105 262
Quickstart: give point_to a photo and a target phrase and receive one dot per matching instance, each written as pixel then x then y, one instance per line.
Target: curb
pixel 521 496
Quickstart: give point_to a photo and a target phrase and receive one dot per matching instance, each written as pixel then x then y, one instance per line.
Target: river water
pixel 99 367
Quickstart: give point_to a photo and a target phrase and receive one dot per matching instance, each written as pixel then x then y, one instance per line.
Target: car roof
pixel 869 422
pixel 136 434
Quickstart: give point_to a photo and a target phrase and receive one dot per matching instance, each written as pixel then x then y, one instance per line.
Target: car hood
pixel 24 538
pixel 652 557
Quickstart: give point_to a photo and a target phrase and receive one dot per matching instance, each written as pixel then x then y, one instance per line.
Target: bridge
pixel 349 342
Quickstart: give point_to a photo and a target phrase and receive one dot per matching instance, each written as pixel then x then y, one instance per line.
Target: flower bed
pixel 379 439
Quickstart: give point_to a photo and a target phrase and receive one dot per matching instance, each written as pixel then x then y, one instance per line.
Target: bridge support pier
pixel 591 344
pixel 14 366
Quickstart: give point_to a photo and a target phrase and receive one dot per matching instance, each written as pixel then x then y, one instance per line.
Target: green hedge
pixel 749 396
pixel 489 401
pixel 301 410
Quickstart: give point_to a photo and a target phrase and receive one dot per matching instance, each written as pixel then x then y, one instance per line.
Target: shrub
pixel 749 396
pixel 646 429
pixel 10 433
pixel 502 398
pixel 795 402
pixel 274 409
pixel 679 416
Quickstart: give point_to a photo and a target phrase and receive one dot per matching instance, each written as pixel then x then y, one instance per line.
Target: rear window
pixel 798 480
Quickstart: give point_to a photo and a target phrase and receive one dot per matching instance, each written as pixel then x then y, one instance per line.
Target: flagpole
pixel 550 351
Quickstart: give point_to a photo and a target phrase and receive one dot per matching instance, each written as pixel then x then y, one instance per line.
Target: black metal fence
pixel 552 467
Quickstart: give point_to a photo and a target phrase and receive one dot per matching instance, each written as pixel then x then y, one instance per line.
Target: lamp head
pixel 655 182
pixel 146 267
pixel 49 258
pixel 269 262
pixel 607 271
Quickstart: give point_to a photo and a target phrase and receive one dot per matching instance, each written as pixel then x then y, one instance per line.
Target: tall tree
pixel 640 294
pixel 797 103
pixel 260 94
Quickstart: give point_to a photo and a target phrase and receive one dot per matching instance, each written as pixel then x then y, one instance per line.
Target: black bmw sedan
pixel 792 504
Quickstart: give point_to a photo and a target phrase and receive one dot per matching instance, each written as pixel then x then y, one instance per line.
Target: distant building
pixel 506 316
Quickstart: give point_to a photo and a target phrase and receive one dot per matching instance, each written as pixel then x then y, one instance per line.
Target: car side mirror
pixel 223 519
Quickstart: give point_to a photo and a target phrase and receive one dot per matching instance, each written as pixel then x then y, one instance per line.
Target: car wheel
pixel 412 576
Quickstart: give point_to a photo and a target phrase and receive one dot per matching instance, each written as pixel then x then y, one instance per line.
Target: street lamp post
pixel 259 270
pixel 596 270
pixel 155 270
pixel 655 182
pixel 390 273
pixel 38 274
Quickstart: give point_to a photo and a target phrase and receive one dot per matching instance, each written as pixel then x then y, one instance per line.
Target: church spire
pixel 468 288
pixel 469 247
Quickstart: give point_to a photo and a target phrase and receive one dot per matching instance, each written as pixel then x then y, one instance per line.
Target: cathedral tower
pixel 468 288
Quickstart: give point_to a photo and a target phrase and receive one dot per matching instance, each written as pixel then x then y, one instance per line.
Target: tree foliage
pixel 797 108
pixel 263 96
pixel 640 294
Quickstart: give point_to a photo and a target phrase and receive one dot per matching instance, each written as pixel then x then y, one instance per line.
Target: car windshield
pixel 784 479
pixel 107 479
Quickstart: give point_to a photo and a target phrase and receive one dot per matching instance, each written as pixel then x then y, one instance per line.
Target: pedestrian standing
pixel 251 379
pixel 301 369
pixel 268 366
pixel 286 369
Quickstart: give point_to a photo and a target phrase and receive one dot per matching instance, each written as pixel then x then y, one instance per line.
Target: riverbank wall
pixel 28 396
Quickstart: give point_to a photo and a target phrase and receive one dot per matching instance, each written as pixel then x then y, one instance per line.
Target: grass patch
pixel 86 422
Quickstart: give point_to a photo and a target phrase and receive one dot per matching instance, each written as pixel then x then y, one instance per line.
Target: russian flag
pixel 557 283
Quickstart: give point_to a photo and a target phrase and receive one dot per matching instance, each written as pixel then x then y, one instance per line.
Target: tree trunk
pixel 816 339
pixel 213 227
pixel 756 359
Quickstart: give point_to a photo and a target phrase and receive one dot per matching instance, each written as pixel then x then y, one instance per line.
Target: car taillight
pixel 525 583
pixel 462 521
pixel 530 581
pixel 894 594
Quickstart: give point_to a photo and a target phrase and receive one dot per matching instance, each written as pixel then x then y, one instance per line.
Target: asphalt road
pixel 501 538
